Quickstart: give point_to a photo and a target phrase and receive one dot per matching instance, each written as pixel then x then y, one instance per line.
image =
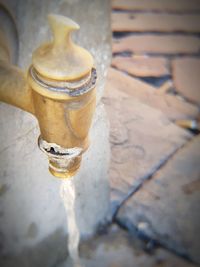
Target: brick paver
pixel 157 5
pixel 142 66
pixel 157 44
pixel 139 22
pixel 186 76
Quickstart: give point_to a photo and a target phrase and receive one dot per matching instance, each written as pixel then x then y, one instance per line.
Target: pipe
pixel 13 85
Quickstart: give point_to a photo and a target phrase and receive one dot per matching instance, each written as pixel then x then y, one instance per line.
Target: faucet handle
pixel 62 59
pixel 62 27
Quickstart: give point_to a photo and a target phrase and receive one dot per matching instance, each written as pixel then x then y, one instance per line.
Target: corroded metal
pixel 60 91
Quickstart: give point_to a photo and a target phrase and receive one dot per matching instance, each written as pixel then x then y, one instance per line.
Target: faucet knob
pixel 62 59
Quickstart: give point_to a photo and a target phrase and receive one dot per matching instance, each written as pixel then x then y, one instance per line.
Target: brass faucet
pixel 59 90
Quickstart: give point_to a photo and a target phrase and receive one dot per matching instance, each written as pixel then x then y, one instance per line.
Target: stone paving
pixel 117 248
pixel 153 88
pixel 167 206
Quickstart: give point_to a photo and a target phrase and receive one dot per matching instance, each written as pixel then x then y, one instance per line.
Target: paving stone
pixel 117 248
pixel 142 138
pixel 186 76
pixel 172 106
pixel 142 66
pixel 157 44
pixel 157 5
pixel 168 204
pixel 154 22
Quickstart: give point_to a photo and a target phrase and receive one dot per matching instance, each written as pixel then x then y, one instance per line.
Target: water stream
pixel 95 253
pixel 68 195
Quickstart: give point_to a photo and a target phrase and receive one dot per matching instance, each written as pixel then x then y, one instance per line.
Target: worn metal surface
pixel 64 112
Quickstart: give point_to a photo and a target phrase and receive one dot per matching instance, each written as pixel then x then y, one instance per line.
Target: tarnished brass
pixel 60 91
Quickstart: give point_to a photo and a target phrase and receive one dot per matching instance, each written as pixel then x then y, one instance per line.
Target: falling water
pixel 68 195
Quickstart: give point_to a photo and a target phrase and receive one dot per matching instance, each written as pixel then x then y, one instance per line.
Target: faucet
pixel 59 89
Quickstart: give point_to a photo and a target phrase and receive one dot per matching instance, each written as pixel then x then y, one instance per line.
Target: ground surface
pixel 153 98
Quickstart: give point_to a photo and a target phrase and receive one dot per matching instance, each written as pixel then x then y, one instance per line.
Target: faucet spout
pixel 59 90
